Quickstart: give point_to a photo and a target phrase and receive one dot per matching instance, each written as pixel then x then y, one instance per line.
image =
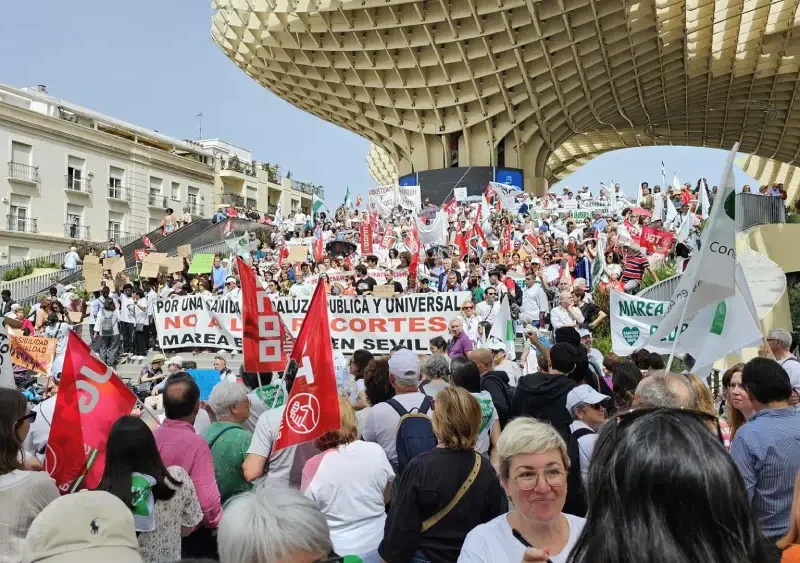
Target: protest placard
pixel 184 251
pixel 75 317
pixel 116 265
pixel 383 291
pixel 92 274
pixel 201 264
pixel 149 270
pixel 156 257
pixel 35 353
pixel 174 264
pixel 206 380
pixel 298 254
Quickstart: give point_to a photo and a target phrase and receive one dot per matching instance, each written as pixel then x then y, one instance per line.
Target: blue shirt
pixel 767 451
pixel 218 276
pixel 599 224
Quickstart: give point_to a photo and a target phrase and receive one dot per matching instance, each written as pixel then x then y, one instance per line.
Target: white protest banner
pixel 507 194
pixel 434 233
pixel 383 199
pixel 6 369
pixel 633 320
pixel 408 197
pixel 380 276
pixel 460 194
pixel 375 324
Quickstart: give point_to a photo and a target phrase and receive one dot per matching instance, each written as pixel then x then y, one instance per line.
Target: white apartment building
pixel 74 174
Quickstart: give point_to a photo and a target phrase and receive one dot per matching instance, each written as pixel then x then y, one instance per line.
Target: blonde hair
pixel 456 418
pixel 703 397
pixel 526 435
pixel 348 430
pixel 793 535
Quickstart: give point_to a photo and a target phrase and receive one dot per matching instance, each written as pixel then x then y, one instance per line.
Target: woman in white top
pixel 533 472
pixel 350 481
pixel 163 500
pixel 469 321
pixel 141 325
pixel 23 494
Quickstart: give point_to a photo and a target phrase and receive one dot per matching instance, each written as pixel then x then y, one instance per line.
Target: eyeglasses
pixel 630 415
pixel 30 416
pixel 492 293
pixel 528 479
pixel 467 308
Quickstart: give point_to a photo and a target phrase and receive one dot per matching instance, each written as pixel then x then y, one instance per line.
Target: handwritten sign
pixel 35 353
pixel 298 254
pixel 174 264
pixel 201 264
pixel 184 251
pixel 149 270
pixel 383 290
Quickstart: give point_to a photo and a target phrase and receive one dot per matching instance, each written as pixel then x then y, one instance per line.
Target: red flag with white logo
pixel 139 254
pixel 266 342
pixel 505 240
pixel 312 408
pixel 90 400
pixel 358 201
pixel 365 231
pixel 148 244
pixel 228 228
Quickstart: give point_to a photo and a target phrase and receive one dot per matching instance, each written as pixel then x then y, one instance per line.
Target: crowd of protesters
pixel 555 452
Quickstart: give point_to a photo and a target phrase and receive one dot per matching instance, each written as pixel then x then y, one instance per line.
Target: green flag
pixel 316 203
pixel 348 202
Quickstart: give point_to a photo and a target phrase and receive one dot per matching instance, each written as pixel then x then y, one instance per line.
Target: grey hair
pixel 574 410
pixel 437 367
pixel 221 358
pixel 261 526
pixel 225 395
pixel 668 390
pixel 781 335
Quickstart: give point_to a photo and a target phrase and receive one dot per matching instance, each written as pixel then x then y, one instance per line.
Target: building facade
pixel 72 174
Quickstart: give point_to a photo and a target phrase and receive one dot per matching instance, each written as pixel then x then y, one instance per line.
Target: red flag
pixel 413 267
pixel 266 341
pixel 365 231
pixel 412 240
pixel 532 240
pixel 148 244
pixel 634 230
pixel 450 207
pixel 232 212
pixel 358 200
pixel 312 408
pixel 283 253
pixel 656 241
pixel 228 228
pixel 139 254
pixel 90 400
pixel 461 243
pixel 319 249
pixel 505 240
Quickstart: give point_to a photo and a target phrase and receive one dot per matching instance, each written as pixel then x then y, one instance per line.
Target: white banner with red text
pixel 372 323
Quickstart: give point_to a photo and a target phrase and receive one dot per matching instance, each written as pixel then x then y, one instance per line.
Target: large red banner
pixel 365 230
pixel 656 241
pixel 635 231
pixel 90 400
pixel 266 342
pixel 312 408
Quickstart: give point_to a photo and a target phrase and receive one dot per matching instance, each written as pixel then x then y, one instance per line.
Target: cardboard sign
pixel 201 264
pixel 75 317
pixel 35 353
pixel 116 265
pixel 149 270
pixel 184 251
pixel 92 274
pixel 174 264
pixel 156 257
pixel 91 259
pixel 298 254
pixel 383 291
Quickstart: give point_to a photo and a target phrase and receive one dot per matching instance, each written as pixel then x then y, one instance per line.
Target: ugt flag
pixel 313 405
pixel 90 399
pixel 266 341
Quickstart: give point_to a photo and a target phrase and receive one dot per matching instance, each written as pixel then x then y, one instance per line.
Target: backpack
pixel 576 491
pixel 517 294
pixel 414 432
pixel 107 325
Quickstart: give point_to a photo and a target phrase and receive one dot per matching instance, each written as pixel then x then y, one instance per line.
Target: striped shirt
pixel 634 268
pixel 767 451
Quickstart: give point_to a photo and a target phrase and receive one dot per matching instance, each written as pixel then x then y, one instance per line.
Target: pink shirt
pixel 179 444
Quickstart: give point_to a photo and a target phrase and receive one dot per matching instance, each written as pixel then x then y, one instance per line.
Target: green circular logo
pixel 730 205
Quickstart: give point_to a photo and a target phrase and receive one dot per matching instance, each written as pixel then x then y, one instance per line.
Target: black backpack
pixel 414 432
pixel 576 491
pixel 518 294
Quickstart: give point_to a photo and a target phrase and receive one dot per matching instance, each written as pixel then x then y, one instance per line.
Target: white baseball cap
pixel 584 394
pixel 404 365
pixel 81 527
pixel 230 279
pixel 496 345
pixel 582 332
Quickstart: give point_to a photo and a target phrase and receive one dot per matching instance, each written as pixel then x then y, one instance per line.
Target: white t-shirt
pixel 287 464
pixel 348 485
pixel 39 433
pixel 792 367
pixel 493 542
pixel 488 416
pixel 382 421
pixel 585 449
pixel 486 312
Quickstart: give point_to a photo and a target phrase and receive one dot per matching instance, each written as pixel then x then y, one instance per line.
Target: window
pixel 75 179
pixel 19 214
pixel 115 182
pixel 175 192
pixel 191 197
pixel 21 153
pixel 156 185
pixel 74 224
pixel 115 221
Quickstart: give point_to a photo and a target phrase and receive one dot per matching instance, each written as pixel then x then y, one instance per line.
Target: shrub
pixel 663 271
pixel 793 290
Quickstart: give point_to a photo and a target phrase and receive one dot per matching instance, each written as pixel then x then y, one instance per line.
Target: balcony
pixel 116 235
pixel 23 173
pixel 118 193
pixel 21 224
pixel 196 209
pixel 158 201
pixel 238 166
pixel 233 200
pixel 251 203
pixel 78 232
pixel 273 172
pixel 271 209
pixel 78 185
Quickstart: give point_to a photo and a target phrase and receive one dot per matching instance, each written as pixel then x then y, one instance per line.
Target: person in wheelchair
pixel 151 374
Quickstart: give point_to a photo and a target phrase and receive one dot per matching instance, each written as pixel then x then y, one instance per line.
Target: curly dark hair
pixel 376 381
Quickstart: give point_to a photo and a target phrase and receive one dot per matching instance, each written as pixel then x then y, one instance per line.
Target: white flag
pixel 279 213
pixel 675 183
pixel 685 230
pixel 436 232
pixel 658 209
pixel 671 211
pixel 503 327
pixel 639 195
pixel 664 177
pixel 705 205
pixel 709 278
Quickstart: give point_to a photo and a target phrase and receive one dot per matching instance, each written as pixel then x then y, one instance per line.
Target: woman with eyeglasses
pixel 704 515
pixel 23 494
pixel 533 472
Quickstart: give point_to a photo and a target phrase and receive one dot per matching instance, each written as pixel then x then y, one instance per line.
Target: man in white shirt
pixel 780 341
pixel 231 291
pixel 300 289
pixel 534 302
pixel 126 318
pixel 487 309
pixel 383 419
pixel 71 260
pixel 566 314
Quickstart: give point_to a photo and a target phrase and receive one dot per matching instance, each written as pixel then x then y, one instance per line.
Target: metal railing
pixel 76 231
pixel 30 287
pixel 196 209
pixel 73 184
pixel 21 224
pixel 271 209
pixel 118 192
pixel 662 290
pixel 124 239
pixel 57 257
pixel 232 199
pixel 237 165
pixel 214 248
pixel 23 172
pixel 157 200
pixel 755 209
pixel 115 234
pixel 251 203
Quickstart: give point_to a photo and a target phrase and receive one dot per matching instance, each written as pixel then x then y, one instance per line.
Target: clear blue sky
pixel 153 63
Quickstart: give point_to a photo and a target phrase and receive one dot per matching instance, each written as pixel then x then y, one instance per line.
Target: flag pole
pixel 677 333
